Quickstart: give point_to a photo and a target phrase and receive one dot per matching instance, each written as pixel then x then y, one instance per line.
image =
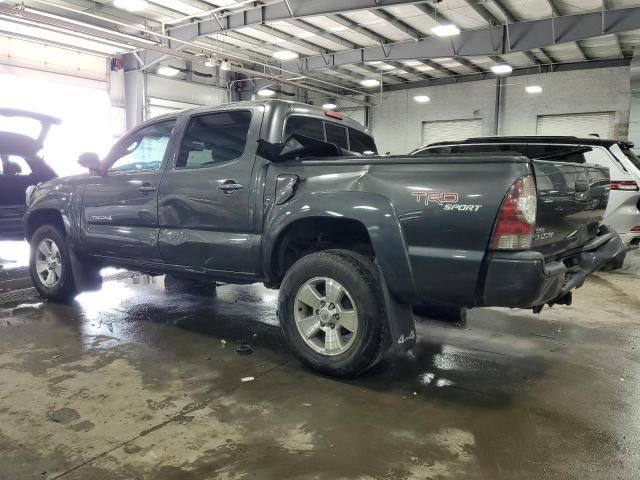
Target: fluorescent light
pixel 447 30
pixel 225 65
pixel 130 5
pixel 168 71
pixel 533 89
pixel 501 69
pixel 266 92
pixel 285 55
pixel 329 106
pixel 422 99
pixel 370 82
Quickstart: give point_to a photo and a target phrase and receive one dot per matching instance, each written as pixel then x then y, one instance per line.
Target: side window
pixel 493 148
pixel 361 142
pixel 538 150
pixel 144 150
pixel 336 134
pixel 214 138
pixel 14 165
pixel 307 126
pixel 432 150
pixel 560 153
pixel 598 156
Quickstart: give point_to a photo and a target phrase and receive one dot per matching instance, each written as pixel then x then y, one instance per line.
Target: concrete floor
pixel 132 382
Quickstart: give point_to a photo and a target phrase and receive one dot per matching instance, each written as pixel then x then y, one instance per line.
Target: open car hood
pixel 23 144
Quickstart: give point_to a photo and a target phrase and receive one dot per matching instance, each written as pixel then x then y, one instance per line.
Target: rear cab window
pixel 348 138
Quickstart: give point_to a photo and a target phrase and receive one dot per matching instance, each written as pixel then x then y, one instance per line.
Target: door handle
pixel 147 187
pixel 230 186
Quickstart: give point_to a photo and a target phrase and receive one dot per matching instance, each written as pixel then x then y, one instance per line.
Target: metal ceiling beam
pixel 608 5
pixel 438 16
pixel 313 47
pixel 482 10
pixel 417 35
pixel 309 27
pixel 555 10
pixel 561 67
pixel 382 40
pixel 273 12
pixel 511 18
pixel 517 37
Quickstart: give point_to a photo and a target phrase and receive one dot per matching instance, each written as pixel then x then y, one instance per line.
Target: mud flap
pixel 402 325
pixel 87 279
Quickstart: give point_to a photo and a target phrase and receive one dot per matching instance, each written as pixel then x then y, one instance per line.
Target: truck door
pixel 120 208
pixel 206 203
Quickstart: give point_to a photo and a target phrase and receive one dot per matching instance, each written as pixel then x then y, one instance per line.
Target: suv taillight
pixel 627 185
pixel 517 218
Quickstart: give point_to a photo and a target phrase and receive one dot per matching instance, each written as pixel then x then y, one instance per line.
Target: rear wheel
pixel 332 313
pixel 50 264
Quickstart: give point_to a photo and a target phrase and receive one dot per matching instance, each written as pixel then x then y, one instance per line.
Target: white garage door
pixel 578 124
pixel 446 130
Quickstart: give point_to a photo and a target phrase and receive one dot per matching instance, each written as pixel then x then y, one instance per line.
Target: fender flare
pixel 373 211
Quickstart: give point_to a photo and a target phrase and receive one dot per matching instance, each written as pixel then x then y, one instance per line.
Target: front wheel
pixel 332 313
pixel 50 264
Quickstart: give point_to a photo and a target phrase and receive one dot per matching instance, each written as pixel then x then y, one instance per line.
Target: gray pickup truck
pixel 296 197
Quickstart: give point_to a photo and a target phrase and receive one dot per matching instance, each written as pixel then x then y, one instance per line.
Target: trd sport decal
pixel 447 200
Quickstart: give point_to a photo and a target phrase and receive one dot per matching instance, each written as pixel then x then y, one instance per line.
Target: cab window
pixel 307 126
pixel 214 138
pixel 144 150
pixel 336 134
pixel 360 142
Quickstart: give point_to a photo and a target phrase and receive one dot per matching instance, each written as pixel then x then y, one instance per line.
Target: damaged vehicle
pixel 290 195
pixel 623 209
pixel 21 166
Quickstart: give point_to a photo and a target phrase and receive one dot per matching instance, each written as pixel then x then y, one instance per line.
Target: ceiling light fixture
pixel 533 89
pixel 266 92
pixel 168 71
pixel 210 62
pixel 501 69
pixel 422 99
pixel 225 65
pixel 370 82
pixel 131 5
pixel 329 106
pixel 285 55
pixel 446 30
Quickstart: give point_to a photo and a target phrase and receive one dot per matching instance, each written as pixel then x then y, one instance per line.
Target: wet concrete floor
pixel 133 382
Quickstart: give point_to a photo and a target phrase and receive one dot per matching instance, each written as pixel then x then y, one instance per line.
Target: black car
pixel 20 166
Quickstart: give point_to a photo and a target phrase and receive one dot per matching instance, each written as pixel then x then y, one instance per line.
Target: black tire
pixel 64 288
pixel 357 275
pixel 176 284
pixel 447 313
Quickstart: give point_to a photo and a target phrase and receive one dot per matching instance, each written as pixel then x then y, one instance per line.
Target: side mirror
pixel 90 161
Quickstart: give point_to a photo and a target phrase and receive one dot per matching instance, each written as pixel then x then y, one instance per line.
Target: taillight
pixel 636 228
pixel 517 218
pixel 627 185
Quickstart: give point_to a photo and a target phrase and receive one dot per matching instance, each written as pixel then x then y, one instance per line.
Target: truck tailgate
pixel 572 199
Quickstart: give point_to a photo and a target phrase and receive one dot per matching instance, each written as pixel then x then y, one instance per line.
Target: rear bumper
pixel 527 279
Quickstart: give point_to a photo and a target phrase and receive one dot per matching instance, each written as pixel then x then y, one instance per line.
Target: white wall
pixel 397 120
pixel 586 91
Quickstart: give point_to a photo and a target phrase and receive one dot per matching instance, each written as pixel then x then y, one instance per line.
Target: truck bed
pixel 447 208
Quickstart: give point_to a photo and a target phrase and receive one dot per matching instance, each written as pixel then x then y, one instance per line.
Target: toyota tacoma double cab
pixel 296 197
